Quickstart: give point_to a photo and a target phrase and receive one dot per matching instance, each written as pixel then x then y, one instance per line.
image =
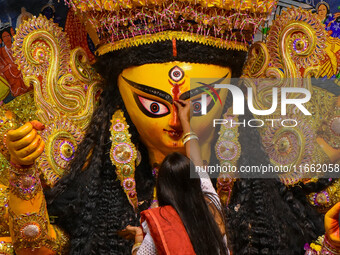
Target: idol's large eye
pixel 151 107
pixel 197 105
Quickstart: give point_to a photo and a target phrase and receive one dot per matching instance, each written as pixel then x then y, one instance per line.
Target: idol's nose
pixel 174 121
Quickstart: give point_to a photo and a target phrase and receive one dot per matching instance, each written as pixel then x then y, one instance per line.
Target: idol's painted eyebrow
pixel 196 91
pixel 150 90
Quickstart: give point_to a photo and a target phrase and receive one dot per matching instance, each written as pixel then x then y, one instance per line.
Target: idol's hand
pixel 332 225
pixel 25 144
pixel 183 108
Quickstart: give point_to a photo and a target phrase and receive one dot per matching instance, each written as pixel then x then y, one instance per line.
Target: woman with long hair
pixel 189 217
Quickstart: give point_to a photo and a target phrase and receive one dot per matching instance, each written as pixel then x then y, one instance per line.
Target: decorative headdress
pixel 228 24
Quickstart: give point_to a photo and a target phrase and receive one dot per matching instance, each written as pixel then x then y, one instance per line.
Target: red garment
pixel 168 231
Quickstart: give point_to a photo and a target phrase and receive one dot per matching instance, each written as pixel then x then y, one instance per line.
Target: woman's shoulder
pixel 159 214
pixel 157 210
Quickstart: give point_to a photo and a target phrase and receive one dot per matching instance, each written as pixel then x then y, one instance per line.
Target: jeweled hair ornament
pixel 228 24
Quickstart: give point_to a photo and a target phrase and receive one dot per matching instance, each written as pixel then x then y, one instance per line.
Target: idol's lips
pixel 175 134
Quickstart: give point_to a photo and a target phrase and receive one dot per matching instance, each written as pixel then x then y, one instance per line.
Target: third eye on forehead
pixel 176 74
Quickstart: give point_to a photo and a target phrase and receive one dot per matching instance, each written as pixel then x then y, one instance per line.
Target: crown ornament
pixel 228 24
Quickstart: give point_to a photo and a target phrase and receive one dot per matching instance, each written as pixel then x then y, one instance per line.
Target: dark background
pixel 13 9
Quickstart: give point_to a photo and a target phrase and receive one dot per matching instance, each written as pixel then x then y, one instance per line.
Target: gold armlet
pixel 328 248
pixel 325 199
pixel 30 230
pixel 24 182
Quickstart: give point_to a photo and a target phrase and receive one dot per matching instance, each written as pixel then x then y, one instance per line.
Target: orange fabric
pixel 168 231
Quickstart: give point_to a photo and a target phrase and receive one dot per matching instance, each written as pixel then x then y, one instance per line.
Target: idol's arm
pixel 30 229
pixel 329 244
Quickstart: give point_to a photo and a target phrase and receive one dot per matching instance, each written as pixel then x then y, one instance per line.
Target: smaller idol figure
pixel 8 69
pixel 331 21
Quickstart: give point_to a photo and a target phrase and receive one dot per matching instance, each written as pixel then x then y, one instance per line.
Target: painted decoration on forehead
pixel 108 126
pixel 176 74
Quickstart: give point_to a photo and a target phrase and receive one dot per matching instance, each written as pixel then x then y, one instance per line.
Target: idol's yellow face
pixel 149 92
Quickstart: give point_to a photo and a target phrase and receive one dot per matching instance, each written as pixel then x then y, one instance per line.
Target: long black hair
pixel 90 203
pixel 176 187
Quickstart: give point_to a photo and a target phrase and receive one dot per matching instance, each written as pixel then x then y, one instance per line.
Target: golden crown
pixel 228 24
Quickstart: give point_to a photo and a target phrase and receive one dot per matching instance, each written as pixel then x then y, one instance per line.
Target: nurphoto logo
pixel 238 100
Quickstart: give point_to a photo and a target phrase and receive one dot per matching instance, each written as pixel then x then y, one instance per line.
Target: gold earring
pixel 123 155
pixel 228 151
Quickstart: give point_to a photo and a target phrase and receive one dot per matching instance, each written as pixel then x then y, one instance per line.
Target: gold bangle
pixel 21 169
pixel 187 134
pixel 135 247
pixel 328 248
pixel 188 138
pixel 24 184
